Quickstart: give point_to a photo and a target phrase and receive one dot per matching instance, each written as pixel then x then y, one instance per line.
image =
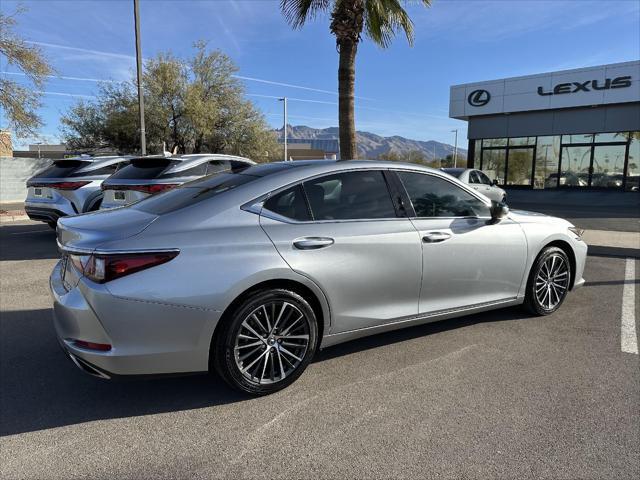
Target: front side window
pixel 289 203
pixel 473 177
pixel 432 196
pixel 349 196
pixel 483 178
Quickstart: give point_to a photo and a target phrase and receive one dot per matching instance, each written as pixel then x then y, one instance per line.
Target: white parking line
pixel 628 335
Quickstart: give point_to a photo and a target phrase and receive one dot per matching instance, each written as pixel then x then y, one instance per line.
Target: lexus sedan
pixel 147 176
pixel 69 186
pixel 250 273
pixel 479 181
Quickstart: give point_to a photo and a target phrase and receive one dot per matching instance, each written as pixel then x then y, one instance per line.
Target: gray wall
pixel 608 118
pixel 14 173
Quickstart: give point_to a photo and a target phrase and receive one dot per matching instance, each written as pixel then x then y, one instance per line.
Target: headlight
pixel 577 232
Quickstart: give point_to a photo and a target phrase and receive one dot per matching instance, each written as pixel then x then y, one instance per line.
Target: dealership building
pixel 576 129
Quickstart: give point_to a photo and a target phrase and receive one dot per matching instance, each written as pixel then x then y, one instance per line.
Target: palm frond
pixel 297 12
pixel 385 18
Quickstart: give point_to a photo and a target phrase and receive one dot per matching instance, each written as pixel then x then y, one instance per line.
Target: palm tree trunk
pixel 346 92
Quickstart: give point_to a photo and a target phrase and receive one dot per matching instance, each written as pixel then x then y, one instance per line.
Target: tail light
pixel 104 268
pixel 150 188
pixel 59 185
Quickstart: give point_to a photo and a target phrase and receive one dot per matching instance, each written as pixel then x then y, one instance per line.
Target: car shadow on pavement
pixel 41 389
pixel 410 333
pixel 41 241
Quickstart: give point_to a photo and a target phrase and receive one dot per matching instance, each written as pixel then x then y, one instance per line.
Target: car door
pixel 467 259
pixel 343 232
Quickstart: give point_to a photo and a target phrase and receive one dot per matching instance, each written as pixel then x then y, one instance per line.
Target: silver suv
pixel 69 186
pixel 150 175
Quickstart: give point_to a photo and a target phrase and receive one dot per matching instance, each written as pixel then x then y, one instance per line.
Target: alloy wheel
pixel 552 281
pixel 271 342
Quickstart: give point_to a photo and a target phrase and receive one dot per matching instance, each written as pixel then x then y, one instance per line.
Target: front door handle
pixel 436 237
pixel 312 243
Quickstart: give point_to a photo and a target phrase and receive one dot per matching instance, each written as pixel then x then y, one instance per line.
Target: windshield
pixel 191 193
pixel 454 172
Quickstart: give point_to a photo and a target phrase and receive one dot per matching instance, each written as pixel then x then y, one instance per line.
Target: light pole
pixel 284 100
pixel 455 149
pixel 136 20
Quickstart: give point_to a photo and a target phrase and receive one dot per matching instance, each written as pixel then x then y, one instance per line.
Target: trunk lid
pixel 89 231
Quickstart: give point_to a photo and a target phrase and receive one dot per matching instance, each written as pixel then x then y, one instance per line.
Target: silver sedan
pixel 479 181
pixel 250 273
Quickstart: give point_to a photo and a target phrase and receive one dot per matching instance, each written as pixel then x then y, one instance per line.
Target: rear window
pixel 197 171
pixel 191 193
pixel 63 169
pixel 144 169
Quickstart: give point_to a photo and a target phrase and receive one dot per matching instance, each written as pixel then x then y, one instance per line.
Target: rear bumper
pixel 44 214
pixel 146 338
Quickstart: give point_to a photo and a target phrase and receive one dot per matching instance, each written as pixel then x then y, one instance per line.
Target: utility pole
pixel 284 100
pixel 136 20
pixel 455 150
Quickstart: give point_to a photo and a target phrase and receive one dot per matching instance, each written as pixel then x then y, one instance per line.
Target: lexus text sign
pixel 607 84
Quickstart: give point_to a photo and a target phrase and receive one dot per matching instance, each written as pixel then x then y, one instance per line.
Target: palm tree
pixel 380 20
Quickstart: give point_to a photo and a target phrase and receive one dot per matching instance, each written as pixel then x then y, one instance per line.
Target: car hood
pixel 524 216
pixel 89 231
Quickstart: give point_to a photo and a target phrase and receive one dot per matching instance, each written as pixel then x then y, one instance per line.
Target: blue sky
pixel 401 90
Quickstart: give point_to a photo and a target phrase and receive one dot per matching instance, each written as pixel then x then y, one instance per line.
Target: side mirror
pixel 495 182
pixel 498 211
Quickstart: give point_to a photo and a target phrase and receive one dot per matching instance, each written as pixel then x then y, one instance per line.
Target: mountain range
pixel 371 145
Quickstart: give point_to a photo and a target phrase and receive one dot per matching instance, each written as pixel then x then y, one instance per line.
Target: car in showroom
pixel 69 186
pixel 147 176
pixel 479 181
pixel 249 273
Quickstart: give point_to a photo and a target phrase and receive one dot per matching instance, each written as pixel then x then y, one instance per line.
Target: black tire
pixel 537 286
pixel 95 205
pixel 52 224
pixel 226 347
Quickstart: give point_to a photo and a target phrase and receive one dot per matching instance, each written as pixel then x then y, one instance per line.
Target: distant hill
pixel 371 145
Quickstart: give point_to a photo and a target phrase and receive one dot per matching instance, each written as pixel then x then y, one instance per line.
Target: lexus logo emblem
pixel 479 98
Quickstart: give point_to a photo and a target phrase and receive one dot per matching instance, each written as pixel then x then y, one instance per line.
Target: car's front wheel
pixel 267 342
pixel 549 282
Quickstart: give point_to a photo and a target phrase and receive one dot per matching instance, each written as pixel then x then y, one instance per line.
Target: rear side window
pixel 432 196
pixel 350 195
pixel 195 192
pixel 289 203
pixel 63 169
pixel 144 169
pixel 217 166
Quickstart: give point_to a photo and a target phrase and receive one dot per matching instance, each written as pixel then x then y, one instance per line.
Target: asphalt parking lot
pixel 493 395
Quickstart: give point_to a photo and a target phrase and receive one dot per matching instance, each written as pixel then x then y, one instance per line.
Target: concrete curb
pixel 13 218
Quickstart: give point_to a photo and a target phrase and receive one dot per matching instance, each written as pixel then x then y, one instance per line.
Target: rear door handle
pixel 312 243
pixel 436 237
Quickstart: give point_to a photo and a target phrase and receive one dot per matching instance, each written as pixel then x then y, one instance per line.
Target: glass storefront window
pixel 477 152
pixel 608 165
pixel 575 166
pixel 493 163
pixel 547 155
pixel 519 166
pixel 494 142
pixel 611 137
pixel 633 165
pixel 577 138
pixel 522 141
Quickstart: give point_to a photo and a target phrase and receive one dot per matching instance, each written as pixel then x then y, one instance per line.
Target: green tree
pixel 191 106
pixel 380 20
pixel 19 102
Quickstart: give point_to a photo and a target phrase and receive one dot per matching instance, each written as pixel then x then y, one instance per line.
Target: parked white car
pixel 479 181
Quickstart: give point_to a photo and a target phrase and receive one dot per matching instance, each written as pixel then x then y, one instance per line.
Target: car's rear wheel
pixel 267 342
pixel 52 224
pixel 549 282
